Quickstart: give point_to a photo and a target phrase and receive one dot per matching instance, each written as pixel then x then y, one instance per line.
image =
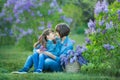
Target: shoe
pixel 22 71
pixel 38 71
pixel 17 72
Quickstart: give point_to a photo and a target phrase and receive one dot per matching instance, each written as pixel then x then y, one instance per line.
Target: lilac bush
pixel 103 38
pixel 28 18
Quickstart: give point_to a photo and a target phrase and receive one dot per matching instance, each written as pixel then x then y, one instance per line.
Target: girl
pixel 46 42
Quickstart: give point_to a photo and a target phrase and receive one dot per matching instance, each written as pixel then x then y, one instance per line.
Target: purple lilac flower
pixel 68 20
pixel 2 14
pixel 49 25
pixel 109 25
pixel 101 22
pixel 104 31
pixel 118 0
pixel 10 32
pixel 72 61
pixel 98 30
pixel 9 3
pixel 80 49
pixel 87 40
pixel 119 14
pixel 91 24
pixel 108 46
pixel 101 7
pixel 30 31
pixel 9 19
pixel 18 21
pixel 53 4
pixel 60 10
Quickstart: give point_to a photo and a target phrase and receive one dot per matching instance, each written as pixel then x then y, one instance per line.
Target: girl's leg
pixel 35 57
pixel 42 58
pixel 28 64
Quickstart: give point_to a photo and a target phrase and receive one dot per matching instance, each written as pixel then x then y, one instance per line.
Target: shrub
pixel 103 40
pixel 28 18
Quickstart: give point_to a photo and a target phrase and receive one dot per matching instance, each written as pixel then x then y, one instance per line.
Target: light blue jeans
pixel 41 61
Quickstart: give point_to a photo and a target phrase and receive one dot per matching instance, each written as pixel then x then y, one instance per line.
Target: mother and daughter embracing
pixel 47 50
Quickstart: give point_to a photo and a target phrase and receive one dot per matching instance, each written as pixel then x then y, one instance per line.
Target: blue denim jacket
pixel 66 46
pixel 51 47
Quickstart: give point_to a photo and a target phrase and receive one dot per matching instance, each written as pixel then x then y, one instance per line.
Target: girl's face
pixel 51 36
pixel 57 34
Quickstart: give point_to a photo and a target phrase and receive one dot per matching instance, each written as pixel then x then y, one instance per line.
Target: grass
pixel 12 58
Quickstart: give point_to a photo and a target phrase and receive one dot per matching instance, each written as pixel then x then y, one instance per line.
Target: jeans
pixel 43 62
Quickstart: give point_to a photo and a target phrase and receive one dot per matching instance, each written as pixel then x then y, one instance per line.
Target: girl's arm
pixel 47 53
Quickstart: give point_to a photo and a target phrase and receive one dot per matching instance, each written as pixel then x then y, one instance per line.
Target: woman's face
pixel 51 36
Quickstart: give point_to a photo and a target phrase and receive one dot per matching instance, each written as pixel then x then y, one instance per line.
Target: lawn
pixel 12 58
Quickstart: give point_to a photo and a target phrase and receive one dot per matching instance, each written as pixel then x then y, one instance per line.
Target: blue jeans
pixel 43 62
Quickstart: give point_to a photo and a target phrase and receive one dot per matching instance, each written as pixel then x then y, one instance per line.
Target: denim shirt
pixel 66 46
pixel 51 47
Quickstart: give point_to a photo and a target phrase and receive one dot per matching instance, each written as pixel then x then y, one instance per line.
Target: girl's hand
pixel 39 51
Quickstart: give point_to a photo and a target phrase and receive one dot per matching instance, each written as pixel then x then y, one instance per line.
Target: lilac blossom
pixel 2 14
pixel 101 22
pixel 91 24
pixel 68 20
pixel 30 31
pixel 60 10
pixel 98 30
pixel 53 4
pixel 18 21
pixel 119 14
pixel 118 0
pixel 101 7
pixel 88 41
pixel 109 25
pixel 108 46
pixel 104 31
pixel 50 12
pixel 49 25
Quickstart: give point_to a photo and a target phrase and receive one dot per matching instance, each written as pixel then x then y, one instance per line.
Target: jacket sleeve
pixel 68 47
pixel 38 47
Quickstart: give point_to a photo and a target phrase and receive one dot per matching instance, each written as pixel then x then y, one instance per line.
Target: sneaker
pixel 17 72
pixel 22 71
pixel 38 71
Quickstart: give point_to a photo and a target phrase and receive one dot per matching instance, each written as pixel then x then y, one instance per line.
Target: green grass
pixel 12 58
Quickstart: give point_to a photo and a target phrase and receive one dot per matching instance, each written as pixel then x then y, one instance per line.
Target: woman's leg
pixel 52 66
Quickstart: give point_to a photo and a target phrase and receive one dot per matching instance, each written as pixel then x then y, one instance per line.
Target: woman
pixel 52 64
